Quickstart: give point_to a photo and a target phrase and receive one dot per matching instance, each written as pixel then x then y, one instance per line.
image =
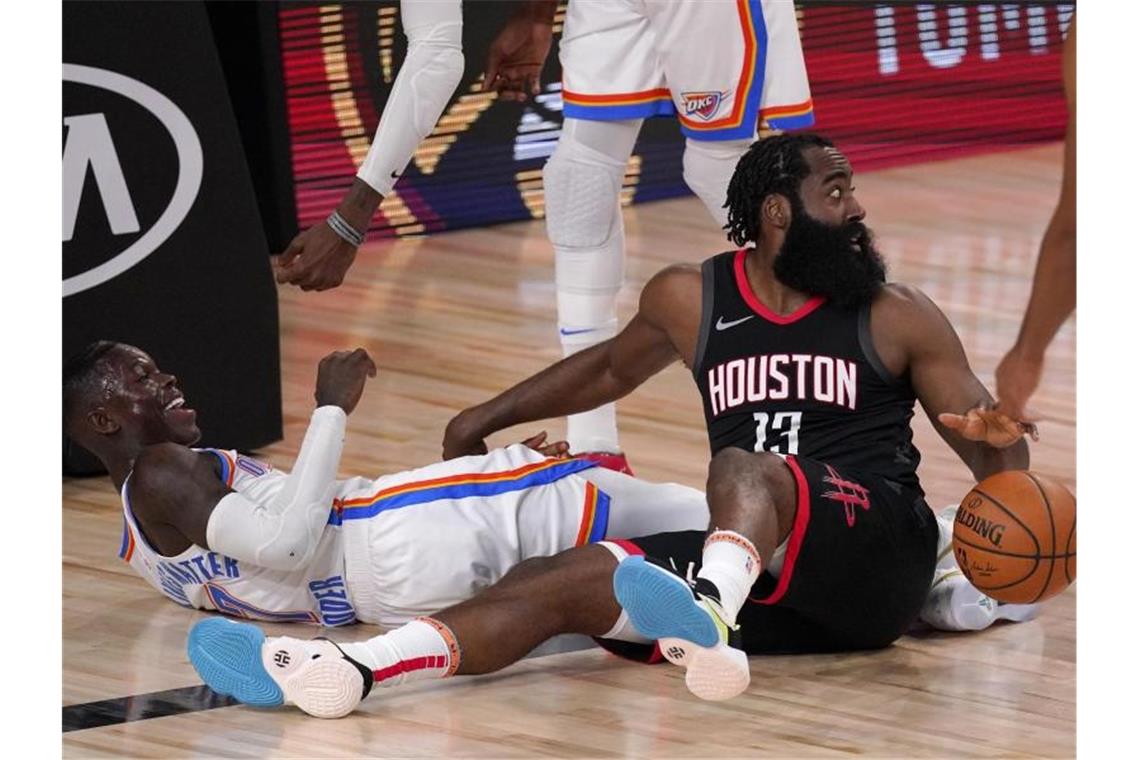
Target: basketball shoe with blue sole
pixel 236 659
pixel 687 626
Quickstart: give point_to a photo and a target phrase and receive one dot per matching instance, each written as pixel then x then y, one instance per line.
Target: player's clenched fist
pixel 463 436
pixel 341 376
pixel 317 259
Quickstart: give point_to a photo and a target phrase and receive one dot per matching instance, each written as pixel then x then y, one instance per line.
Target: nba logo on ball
pixel 701 104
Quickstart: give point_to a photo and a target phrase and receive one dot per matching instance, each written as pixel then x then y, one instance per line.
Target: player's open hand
pixel 515 60
pixel 317 259
pixel 988 425
pixel 341 377
pixel 557 449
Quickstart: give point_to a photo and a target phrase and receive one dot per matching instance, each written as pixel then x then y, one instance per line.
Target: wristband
pixel 344 230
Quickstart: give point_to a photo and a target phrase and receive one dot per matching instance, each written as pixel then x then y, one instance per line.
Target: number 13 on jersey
pixel 783 424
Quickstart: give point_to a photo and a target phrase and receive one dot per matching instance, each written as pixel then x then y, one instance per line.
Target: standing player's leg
pixel 540 598
pixel 708 167
pixel 582 182
pixel 611 81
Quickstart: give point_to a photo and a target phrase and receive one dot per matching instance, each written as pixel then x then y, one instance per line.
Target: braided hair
pixel 772 165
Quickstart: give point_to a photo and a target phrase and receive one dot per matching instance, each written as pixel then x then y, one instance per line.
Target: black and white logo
pixel 281 658
pixel 119 132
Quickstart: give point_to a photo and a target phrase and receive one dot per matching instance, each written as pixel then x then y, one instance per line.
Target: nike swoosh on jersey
pixel 564 331
pixel 722 325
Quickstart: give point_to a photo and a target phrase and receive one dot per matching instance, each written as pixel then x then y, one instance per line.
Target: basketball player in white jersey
pixel 719 67
pixel 216 530
pixel 213 529
pixel 318 257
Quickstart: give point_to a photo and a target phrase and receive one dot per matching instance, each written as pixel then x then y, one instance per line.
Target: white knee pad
pixel 426 82
pixel 708 167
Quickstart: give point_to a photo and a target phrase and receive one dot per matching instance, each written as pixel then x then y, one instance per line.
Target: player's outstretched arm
pixel 1054 295
pixel 912 333
pixel 600 374
pixel 320 256
pixel 174 488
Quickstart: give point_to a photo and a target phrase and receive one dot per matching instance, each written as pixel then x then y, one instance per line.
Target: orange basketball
pixel 1015 537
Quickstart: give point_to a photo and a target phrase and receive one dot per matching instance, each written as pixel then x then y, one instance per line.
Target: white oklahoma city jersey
pixel 400 546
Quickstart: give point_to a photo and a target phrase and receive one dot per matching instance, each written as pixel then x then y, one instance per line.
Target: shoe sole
pixel 714 673
pixel 228 658
pixel 1017 613
pixel 660 605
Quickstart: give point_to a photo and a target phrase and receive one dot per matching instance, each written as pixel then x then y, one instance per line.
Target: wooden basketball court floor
pixel 454 318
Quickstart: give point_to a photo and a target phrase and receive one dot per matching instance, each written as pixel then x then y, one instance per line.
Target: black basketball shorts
pixel 857 567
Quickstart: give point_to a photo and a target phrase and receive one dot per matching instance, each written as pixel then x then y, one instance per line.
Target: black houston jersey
pixel 807 383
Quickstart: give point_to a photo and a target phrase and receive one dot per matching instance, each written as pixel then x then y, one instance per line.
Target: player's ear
pixel 776 211
pixel 101 422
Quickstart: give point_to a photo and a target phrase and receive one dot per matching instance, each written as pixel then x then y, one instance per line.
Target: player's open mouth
pixel 177 407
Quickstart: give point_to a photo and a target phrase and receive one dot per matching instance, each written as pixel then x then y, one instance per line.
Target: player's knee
pixel 582 187
pixel 734 468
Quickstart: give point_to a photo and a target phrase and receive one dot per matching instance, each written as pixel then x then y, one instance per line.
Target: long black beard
pixel 817 258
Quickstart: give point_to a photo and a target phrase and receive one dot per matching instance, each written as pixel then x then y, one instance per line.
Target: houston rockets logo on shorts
pixel 848 493
pixel 702 104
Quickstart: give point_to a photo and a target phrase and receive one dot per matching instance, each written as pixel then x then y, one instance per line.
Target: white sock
pixel 422 649
pixel 732 564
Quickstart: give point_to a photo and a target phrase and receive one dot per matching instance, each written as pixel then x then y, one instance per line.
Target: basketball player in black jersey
pixel 809 366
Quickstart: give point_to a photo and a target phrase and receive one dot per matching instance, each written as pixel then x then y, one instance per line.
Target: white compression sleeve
pixel 430 73
pixel 283 534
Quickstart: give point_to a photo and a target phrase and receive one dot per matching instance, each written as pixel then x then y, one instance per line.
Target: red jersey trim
pixel 757 306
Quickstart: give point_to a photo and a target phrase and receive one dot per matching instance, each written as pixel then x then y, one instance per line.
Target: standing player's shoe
pixel 236 659
pixel 609 460
pixel 685 620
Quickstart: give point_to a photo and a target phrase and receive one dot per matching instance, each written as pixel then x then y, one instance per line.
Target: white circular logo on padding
pixel 189 171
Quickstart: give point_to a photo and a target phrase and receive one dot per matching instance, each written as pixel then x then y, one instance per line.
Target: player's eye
pixel 835 193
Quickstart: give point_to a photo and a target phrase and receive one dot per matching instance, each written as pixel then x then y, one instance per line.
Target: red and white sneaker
pixel 610 460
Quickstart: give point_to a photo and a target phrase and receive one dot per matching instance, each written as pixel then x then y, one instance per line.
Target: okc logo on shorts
pixel 702 104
